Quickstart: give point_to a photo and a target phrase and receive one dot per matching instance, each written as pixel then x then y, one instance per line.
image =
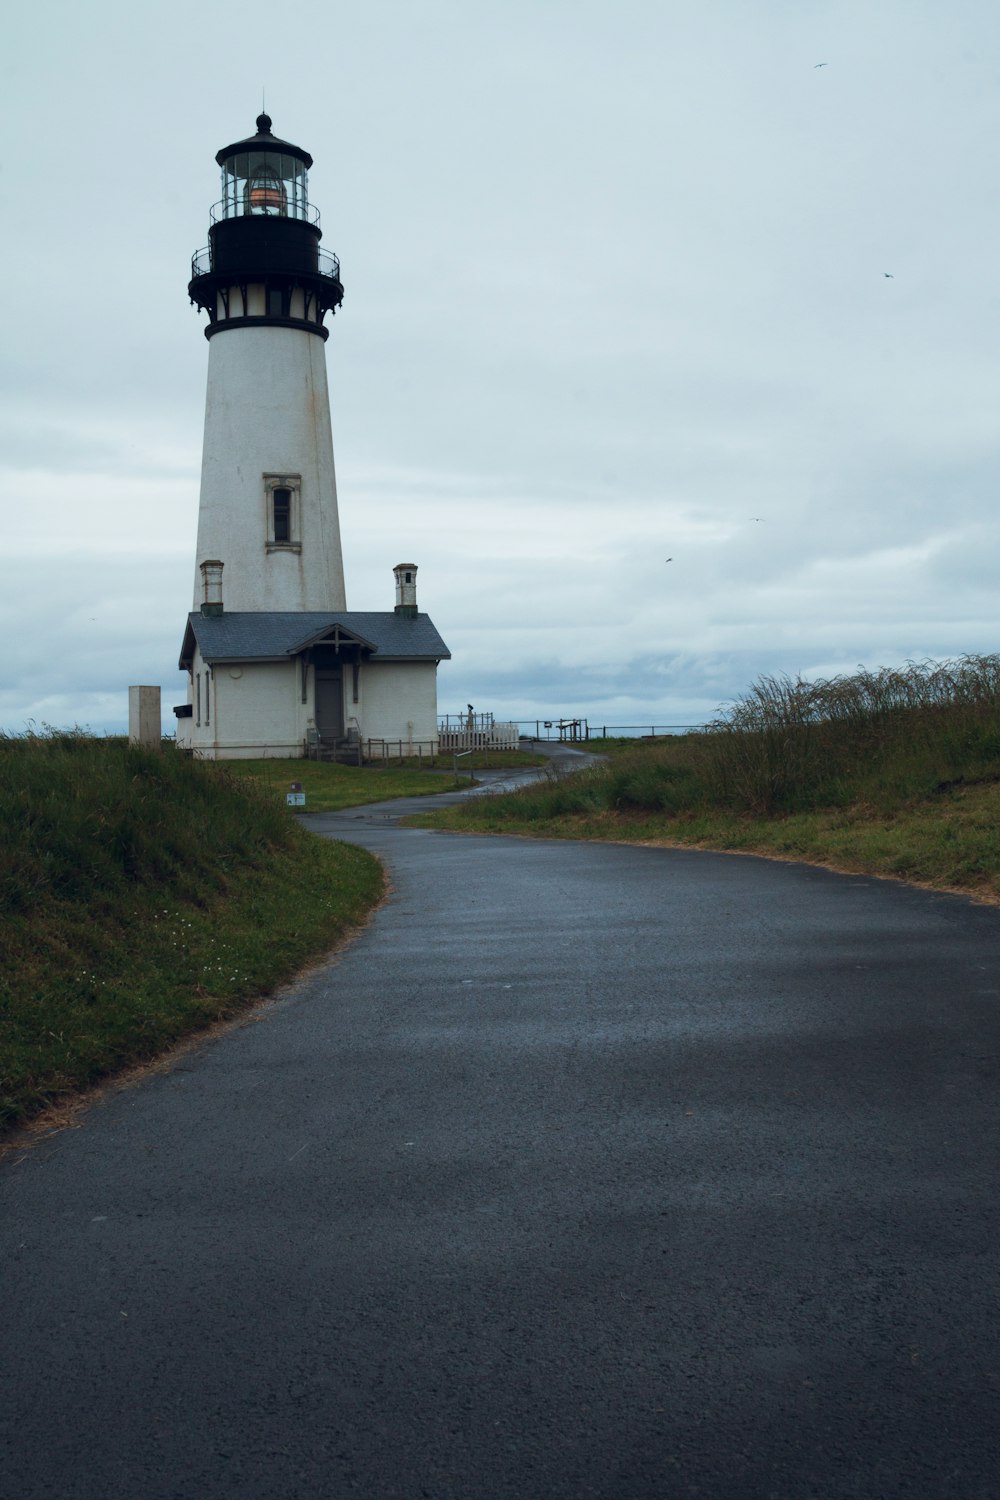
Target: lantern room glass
pixel 264 182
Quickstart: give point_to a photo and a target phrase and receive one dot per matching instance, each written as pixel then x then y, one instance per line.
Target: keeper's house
pixel 327 683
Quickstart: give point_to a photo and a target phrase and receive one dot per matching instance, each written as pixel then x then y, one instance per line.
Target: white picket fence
pixel 475 732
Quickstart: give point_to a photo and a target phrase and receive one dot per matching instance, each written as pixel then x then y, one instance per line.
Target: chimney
pixel 406 590
pixel 211 587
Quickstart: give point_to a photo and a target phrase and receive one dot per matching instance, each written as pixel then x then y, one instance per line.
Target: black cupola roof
pixel 264 141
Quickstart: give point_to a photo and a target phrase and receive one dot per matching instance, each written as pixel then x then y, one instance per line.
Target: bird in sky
pixel 821 65
pixel 668 559
pixel 888 276
pixel 756 518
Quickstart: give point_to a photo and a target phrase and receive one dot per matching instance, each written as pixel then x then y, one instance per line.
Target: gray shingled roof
pixel 263 635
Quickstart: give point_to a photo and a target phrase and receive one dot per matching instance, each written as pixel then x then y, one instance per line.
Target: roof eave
pixel 221 658
pixel 384 658
pixel 188 645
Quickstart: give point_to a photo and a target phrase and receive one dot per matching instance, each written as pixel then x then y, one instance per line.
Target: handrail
pixel 327 264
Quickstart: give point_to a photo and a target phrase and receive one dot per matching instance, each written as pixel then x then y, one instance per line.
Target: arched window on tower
pixel 283 519
pixel 282 500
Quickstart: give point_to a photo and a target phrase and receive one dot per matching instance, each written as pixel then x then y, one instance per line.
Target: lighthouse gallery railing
pixel 327 263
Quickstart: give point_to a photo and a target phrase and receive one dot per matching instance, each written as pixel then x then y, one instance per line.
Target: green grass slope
pixel 144 895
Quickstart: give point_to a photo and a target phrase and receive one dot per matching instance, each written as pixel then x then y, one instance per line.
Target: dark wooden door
pixel 329 703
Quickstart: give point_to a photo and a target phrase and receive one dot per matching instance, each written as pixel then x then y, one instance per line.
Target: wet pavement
pixel 585 1171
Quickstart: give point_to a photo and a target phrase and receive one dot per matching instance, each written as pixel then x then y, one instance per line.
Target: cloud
pixel 614 287
pixel 101 623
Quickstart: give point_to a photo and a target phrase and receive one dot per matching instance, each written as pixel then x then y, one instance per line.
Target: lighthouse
pixel 268 505
pixel 276 663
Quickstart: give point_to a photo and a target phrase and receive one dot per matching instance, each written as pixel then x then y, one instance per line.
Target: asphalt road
pixel 585 1171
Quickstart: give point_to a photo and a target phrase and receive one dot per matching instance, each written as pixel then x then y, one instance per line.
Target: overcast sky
pixel 624 282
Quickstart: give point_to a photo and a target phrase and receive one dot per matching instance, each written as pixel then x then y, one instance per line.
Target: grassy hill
pixel 144 895
pixel 892 772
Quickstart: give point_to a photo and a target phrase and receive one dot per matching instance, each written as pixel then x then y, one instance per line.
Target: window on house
pixel 276 303
pixel 197 691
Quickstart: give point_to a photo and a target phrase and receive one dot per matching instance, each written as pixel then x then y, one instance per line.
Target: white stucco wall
pixel 260 711
pixel 395 696
pixel 247 711
pixel 185 726
pixel 267 411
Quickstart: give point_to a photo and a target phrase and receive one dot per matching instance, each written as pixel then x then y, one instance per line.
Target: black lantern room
pixel 263 262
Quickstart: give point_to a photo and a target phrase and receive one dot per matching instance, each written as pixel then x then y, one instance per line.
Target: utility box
pixel 144 717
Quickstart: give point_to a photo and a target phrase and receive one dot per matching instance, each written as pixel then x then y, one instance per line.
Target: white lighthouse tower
pixel 276 664
pixel 268 508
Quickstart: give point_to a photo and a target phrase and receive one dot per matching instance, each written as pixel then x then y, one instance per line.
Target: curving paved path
pixel 586 1171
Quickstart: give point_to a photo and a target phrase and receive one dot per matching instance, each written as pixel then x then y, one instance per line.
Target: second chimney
pixel 406 589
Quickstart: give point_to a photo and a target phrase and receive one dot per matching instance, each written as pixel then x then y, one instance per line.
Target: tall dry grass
pixel 788 744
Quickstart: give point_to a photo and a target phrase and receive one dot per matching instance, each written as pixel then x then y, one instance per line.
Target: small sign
pixel 296 796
